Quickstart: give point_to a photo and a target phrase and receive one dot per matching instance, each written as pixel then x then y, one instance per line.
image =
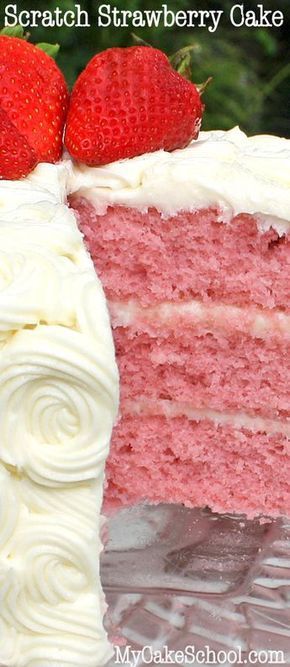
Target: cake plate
pixel 187 586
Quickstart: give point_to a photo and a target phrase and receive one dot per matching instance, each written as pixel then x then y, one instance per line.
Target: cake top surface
pixel 227 170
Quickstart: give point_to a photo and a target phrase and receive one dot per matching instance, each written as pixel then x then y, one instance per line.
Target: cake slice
pixel 193 251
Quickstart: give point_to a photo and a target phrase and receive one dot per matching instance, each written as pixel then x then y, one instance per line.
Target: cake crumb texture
pixel 190 255
pixel 200 307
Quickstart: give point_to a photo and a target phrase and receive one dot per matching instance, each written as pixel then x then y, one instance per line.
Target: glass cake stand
pixel 183 584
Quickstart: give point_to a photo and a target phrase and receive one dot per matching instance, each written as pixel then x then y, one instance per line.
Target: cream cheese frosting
pixel 226 170
pixel 171 409
pixel 213 316
pixel 58 402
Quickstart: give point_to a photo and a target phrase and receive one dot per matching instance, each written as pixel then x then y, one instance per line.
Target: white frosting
pixel 214 316
pixel 237 420
pixel 227 170
pixel 58 402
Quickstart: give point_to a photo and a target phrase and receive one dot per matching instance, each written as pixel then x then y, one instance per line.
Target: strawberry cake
pixel 191 248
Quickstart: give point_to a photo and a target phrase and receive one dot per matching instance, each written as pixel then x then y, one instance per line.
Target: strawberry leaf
pixel 16 31
pixel 181 60
pixel 184 66
pixel 51 49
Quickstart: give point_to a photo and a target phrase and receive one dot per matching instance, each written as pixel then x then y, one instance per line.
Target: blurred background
pixel 250 66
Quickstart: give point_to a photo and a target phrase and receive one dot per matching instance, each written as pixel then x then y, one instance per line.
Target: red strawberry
pixel 130 101
pixel 34 99
pixel 17 159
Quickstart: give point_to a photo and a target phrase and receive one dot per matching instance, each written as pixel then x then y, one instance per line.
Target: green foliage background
pixel 250 66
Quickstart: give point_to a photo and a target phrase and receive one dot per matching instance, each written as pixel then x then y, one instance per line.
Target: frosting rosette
pixel 9 641
pixel 41 229
pixel 57 405
pixel 57 567
pixel 46 586
pixel 82 502
pixel 64 650
pixel 36 287
pixel 28 285
pixel 9 509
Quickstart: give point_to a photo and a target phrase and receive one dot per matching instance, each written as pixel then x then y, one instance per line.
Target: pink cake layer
pixel 190 255
pixel 198 464
pixel 231 365
pixel 207 370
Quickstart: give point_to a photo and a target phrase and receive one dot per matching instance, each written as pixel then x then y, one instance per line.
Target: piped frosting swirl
pixel 58 403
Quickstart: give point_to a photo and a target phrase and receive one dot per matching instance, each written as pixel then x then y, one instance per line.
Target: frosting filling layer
pixel 257 322
pixel 172 409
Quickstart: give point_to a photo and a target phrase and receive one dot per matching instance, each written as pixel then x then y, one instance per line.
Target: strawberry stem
pixel 139 41
pixel 202 86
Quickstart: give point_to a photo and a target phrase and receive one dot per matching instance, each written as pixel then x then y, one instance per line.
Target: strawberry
pixel 33 104
pixel 17 159
pixel 130 101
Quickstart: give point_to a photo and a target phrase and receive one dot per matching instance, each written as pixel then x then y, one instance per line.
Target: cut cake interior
pixel 193 252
